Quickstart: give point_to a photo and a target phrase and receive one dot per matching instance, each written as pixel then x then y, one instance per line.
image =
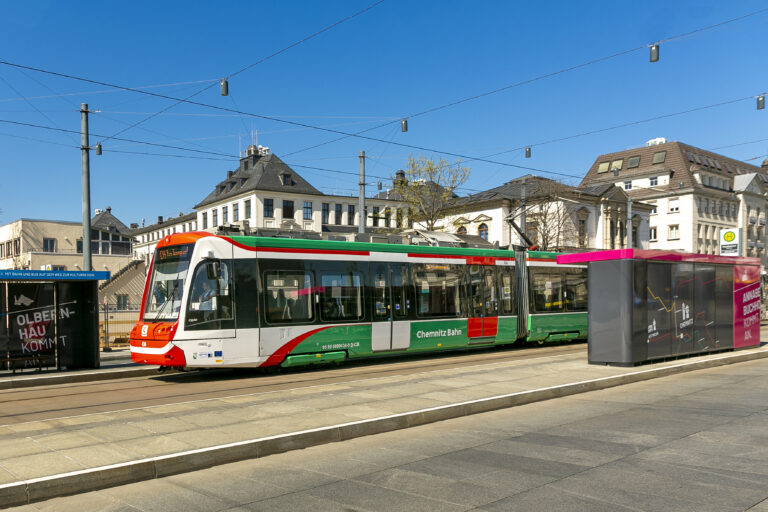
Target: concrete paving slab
pixel 457 492
pixel 347 493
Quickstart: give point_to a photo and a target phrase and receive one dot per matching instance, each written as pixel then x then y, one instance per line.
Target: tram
pixel 241 301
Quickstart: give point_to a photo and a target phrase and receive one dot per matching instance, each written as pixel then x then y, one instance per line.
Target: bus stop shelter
pixel 648 305
pixel 49 319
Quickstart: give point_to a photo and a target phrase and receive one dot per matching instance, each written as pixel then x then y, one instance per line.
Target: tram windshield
pixel 167 283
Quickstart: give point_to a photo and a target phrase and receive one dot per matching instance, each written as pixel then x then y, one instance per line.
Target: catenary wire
pixel 297 43
pixel 537 78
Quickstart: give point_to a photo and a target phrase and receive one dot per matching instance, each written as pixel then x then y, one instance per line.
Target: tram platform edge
pixel 74 482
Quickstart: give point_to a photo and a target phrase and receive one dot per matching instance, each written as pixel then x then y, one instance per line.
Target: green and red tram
pixel 240 301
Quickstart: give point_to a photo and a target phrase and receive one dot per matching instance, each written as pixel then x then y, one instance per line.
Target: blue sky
pixel 397 59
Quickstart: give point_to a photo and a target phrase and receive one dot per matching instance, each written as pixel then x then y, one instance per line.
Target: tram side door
pixel 483 302
pixel 390 329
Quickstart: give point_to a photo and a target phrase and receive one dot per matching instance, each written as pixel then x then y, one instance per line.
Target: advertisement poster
pixel 31 319
pixel 746 306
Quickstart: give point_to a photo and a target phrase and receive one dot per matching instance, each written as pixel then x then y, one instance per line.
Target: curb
pixel 69 378
pixel 39 489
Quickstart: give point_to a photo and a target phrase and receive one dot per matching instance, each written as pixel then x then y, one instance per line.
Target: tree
pixel 552 217
pixel 429 187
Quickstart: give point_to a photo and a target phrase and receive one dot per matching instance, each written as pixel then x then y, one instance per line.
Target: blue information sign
pixel 54 275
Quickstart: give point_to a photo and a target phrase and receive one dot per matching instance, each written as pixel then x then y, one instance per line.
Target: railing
pixel 115 324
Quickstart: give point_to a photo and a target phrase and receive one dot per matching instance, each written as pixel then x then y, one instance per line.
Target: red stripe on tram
pixel 280 354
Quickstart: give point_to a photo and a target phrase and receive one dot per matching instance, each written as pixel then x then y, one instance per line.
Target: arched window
pixel 483 231
pixel 461 231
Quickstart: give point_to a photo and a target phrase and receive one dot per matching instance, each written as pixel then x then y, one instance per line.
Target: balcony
pixel 753 220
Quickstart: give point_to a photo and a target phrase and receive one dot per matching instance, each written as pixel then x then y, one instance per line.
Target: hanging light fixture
pixel 224 87
pixel 403 125
pixel 761 102
pixel 655 52
pixel 98 148
pixel 527 151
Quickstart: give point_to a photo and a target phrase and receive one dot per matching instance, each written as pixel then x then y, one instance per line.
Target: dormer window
pixel 285 178
pixel 222 188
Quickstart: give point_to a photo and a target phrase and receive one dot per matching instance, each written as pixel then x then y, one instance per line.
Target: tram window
pixel 246 293
pixel 507 281
pixel 341 297
pixel 437 290
pixel 400 301
pixel 288 296
pixel 210 302
pixel 547 292
pixel 576 290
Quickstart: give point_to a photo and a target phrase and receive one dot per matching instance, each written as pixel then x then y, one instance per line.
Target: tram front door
pixel 483 302
pixel 390 329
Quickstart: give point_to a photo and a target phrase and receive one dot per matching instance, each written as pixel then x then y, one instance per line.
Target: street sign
pixel 730 242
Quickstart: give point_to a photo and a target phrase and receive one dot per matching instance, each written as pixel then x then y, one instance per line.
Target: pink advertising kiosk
pixel 649 305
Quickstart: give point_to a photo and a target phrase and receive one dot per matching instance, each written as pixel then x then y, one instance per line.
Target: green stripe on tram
pixel 335 245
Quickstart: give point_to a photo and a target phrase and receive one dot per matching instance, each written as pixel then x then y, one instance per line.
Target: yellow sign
pixel 729 236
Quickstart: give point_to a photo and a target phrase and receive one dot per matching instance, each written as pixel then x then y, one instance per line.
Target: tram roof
pixel 335 245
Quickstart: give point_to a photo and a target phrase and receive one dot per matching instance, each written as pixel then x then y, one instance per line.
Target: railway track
pixel 60 401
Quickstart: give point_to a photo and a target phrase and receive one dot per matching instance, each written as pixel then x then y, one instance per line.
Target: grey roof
pixel 681 159
pixel 334 228
pixel 535 186
pixel 105 221
pixel 258 172
pixel 171 221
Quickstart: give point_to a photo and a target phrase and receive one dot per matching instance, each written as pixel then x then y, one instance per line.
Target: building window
pixel 634 161
pixel 659 157
pixel 215 218
pixel 653 208
pixel 205 220
pixel 122 302
pixel 399 218
pixel 627 185
pixel 247 209
pixel 674 232
pixel 483 232
pixel 652 234
pixel 269 208
pixel 376 216
pixel 49 245
pixel 58 268
pixel 307 210
pixel 582 233
pixel 288 211
pixel 351 215
pixel 224 214
pixel 674 206
pixel 337 211
pixel 16 247
pixel 461 231
pixel 653 181
pixel 235 212
pixel 387 218
pixel 326 213
pixel 603 167
pixel 616 165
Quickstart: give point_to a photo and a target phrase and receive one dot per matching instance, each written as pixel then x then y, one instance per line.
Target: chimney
pixel 251 151
pixel 134 225
pixel 159 219
pixel 109 209
pixel 229 174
